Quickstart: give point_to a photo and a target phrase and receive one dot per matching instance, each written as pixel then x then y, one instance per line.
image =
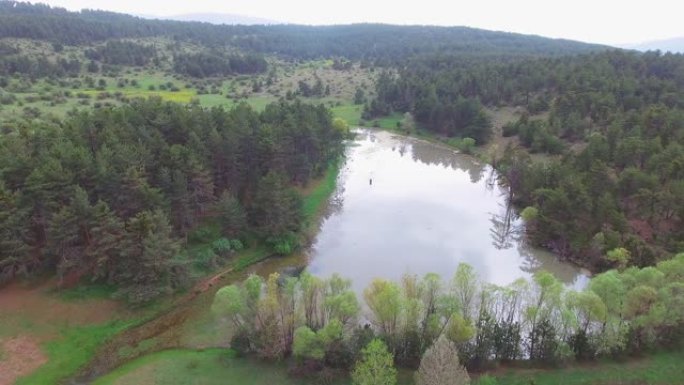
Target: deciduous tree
pixel 440 365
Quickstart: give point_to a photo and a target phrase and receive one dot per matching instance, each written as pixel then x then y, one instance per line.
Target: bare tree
pixel 440 365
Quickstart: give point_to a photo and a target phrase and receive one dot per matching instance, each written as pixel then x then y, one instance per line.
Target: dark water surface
pixel 406 205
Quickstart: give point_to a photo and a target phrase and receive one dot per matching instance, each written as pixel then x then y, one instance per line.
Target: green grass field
pixel 387 122
pixel 182 96
pixel 73 348
pixel 349 112
pixel 257 102
pixel 657 369
pixel 219 366
pixel 210 367
pixel 57 97
pixel 207 367
pixel 317 196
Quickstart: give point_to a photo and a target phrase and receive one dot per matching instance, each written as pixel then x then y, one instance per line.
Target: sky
pixel 597 21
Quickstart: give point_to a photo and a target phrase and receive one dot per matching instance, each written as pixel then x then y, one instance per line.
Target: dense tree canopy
pixel 110 194
pixel 33 67
pixel 202 65
pixel 122 53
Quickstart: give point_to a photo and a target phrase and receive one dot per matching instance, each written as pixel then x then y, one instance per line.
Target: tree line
pixel 113 194
pixel 449 113
pixel 38 67
pixel 620 312
pixel 122 53
pixel 213 64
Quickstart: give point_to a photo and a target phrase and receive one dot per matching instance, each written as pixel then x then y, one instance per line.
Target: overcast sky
pixel 598 21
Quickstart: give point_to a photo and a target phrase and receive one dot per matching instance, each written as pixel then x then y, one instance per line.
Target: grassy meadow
pixel 220 366
pixel 55 98
pixel 212 367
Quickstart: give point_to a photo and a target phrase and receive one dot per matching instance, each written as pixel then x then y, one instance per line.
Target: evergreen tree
pixel 276 212
pixel 231 215
pixel 14 251
pixel 148 258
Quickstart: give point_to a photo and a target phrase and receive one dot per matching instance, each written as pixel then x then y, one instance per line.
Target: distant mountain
pixel 222 18
pixel 675 45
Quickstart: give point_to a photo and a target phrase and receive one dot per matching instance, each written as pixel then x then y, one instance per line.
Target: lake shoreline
pixel 481 153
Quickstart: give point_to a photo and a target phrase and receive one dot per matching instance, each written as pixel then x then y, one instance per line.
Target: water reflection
pixel 506 229
pixel 405 205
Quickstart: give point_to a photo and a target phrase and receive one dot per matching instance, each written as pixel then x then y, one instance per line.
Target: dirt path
pixel 41 306
pixel 32 315
pixel 496 146
pixel 19 356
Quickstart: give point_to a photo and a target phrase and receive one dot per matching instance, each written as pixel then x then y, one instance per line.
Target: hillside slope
pixel 375 42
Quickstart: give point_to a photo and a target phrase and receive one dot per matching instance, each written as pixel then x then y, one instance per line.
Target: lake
pixel 404 205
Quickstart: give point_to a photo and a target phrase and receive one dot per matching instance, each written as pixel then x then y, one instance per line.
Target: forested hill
pixel 113 194
pixel 373 42
pixel 616 195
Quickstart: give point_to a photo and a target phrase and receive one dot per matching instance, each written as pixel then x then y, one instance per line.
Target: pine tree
pixel 149 251
pixel 108 234
pixel 276 212
pixel 69 233
pixel 231 215
pixel 14 252
pixel 87 238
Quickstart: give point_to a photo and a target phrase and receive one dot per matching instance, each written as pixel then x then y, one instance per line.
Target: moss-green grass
pixel 219 366
pixel 88 291
pixel 386 122
pixel 208 367
pixel 183 96
pixel 259 103
pixel 251 256
pixel 315 199
pixel 349 112
pixel 151 81
pixel 70 351
pixel 145 79
pixel 658 369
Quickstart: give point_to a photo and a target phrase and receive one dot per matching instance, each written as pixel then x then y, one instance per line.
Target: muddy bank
pixel 161 332
pixel 175 326
pixel 19 356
